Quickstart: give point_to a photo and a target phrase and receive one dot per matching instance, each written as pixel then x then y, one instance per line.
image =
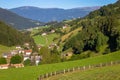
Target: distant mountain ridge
pixel 52 14
pixel 17 21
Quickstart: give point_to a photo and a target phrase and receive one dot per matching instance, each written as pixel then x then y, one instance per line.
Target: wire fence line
pixel 64 71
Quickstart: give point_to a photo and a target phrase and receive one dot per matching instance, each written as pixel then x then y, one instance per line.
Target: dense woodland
pixel 12 37
pixel 100 28
pixel 17 21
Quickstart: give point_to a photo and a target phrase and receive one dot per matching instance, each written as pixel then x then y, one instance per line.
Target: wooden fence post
pixel 46 75
pixel 73 68
pixel 78 68
pixel 64 71
pixel 111 63
pixel 89 66
pixel 51 74
pixel 83 67
pixel 55 72
pixel 68 70
pixel 43 76
pixel 101 65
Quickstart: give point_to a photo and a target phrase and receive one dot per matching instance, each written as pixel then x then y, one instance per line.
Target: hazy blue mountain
pixel 52 14
pixel 17 21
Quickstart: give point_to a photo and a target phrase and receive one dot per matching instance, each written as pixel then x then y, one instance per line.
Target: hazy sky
pixel 66 4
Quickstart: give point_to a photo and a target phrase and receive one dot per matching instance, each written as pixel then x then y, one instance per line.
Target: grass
pixel 40 39
pixel 39 28
pixel 74 32
pixel 31 73
pixel 104 73
pixel 51 37
pixel 45 40
pixel 4 49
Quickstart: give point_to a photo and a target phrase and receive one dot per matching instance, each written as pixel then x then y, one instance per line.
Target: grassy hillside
pixel 74 32
pixel 31 73
pixel 40 39
pixel 105 73
pixel 45 40
pixel 4 49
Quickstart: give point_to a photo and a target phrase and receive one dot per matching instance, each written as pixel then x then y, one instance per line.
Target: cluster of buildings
pixel 45 33
pixel 25 53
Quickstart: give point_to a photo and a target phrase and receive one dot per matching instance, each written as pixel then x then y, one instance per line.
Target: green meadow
pixel 104 73
pixel 31 73
pixel 45 40
pixel 4 49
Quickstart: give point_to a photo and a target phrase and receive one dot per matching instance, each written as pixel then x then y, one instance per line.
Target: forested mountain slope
pixel 11 37
pixel 101 28
pixel 17 21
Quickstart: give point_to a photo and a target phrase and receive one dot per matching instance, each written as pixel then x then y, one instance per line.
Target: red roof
pixel 28 50
pixel 4 65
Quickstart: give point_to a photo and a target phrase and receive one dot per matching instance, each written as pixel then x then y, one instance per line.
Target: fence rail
pixel 47 75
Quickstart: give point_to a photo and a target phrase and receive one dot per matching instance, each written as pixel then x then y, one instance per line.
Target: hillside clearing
pixel 45 40
pixel 71 33
pixel 4 49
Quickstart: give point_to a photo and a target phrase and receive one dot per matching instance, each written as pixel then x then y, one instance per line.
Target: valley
pixel 32 45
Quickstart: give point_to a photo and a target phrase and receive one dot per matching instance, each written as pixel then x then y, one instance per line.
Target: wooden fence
pixel 47 75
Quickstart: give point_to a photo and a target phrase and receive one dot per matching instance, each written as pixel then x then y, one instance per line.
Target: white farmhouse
pixel 4 66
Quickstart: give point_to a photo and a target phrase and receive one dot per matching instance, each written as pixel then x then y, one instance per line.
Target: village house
pixel 18 47
pixel 17 65
pixel 37 59
pixel 39 47
pixel 43 34
pixel 21 51
pixel 14 52
pixel 52 31
pixel 25 57
pixel 7 55
pixel 30 29
pixel 28 52
pixel 27 45
pixel 36 27
pixel 52 45
pixel 67 54
pixel 64 27
pixel 4 66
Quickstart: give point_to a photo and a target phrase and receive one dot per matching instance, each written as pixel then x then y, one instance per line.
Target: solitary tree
pixel 16 59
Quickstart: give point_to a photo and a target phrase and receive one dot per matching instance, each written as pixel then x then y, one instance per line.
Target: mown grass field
pixel 104 73
pixel 45 40
pixel 4 49
pixel 31 73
